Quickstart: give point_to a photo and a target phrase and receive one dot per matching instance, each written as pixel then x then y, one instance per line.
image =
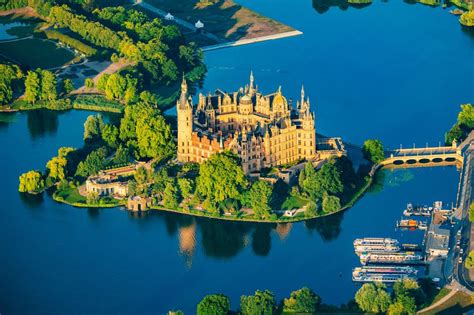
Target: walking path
pixel 440 302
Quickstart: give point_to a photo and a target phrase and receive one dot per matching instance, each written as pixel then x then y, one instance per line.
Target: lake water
pixel 393 71
pixel 18 46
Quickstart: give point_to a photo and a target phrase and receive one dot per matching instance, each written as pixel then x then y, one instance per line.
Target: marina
pixel 388 260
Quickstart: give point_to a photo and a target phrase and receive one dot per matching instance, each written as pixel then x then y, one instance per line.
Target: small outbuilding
pixel 138 203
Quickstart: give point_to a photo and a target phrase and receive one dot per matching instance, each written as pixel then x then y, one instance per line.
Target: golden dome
pixel 245 100
pixel 279 99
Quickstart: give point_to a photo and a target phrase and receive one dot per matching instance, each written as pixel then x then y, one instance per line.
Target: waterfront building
pixel 437 242
pixel 264 130
pixel 138 203
pixel 107 185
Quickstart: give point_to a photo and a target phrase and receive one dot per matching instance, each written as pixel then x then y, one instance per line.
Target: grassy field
pixel 293 202
pixel 225 19
pixel 70 196
pixel 35 53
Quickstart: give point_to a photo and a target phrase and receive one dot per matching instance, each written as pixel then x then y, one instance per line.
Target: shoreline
pixel 248 41
pixel 357 196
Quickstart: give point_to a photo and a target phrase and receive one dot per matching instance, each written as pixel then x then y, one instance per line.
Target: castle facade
pixel 263 130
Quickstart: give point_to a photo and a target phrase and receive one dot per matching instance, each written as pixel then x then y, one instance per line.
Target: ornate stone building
pixel 263 130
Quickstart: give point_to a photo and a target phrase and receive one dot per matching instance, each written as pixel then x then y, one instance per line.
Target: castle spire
pixel 183 100
pixel 302 95
pixel 252 80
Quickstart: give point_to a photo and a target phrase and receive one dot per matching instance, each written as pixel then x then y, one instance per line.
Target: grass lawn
pixel 458 304
pixel 293 202
pixel 36 53
pixel 71 195
pixel 225 19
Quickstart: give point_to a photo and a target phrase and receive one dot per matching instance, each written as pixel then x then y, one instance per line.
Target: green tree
pixel 68 86
pixel 373 151
pixel 330 203
pixel 302 301
pixel 122 155
pixel 89 83
pixel 32 87
pixel 110 134
pixel 170 196
pixel 327 179
pixel 92 198
pixel 220 177
pixel 57 167
pixel 48 86
pixel 31 181
pixel 261 303
pixel 469 263
pixel 115 87
pixel 373 298
pixel 186 186
pixel 142 177
pixel 102 83
pixel 146 128
pixel 260 194
pixel 9 75
pixel 215 304
pixel 93 163
pixel 93 126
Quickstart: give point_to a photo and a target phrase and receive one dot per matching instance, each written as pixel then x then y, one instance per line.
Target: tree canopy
pixel 220 178
pixel 261 303
pixel 303 300
pixel 373 151
pixel 31 181
pixel 260 196
pixel 373 298
pixel 215 304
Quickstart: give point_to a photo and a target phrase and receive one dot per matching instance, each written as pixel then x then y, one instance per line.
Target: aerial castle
pixel 263 130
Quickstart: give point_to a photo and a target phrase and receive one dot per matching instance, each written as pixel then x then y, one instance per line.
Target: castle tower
pixel 185 123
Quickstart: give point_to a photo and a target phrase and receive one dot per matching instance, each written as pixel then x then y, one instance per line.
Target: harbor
pixel 388 260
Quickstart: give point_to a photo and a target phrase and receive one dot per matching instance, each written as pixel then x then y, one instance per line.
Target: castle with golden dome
pixel 263 130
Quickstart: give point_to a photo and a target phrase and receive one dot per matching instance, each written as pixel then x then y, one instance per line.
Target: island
pixel 236 156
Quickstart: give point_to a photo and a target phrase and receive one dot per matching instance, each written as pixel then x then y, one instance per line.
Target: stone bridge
pixel 428 156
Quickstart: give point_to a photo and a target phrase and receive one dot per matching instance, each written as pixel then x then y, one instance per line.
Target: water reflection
pixel 223 239
pixel 226 239
pixel 322 6
pixel 261 239
pixel 283 229
pixel 187 242
pixel 328 227
pixel 42 122
pixel 6 119
pixel 31 201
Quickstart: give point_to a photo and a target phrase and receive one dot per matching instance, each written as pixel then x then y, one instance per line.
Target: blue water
pixel 391 70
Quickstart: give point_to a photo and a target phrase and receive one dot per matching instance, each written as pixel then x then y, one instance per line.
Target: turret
pixel 185 123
